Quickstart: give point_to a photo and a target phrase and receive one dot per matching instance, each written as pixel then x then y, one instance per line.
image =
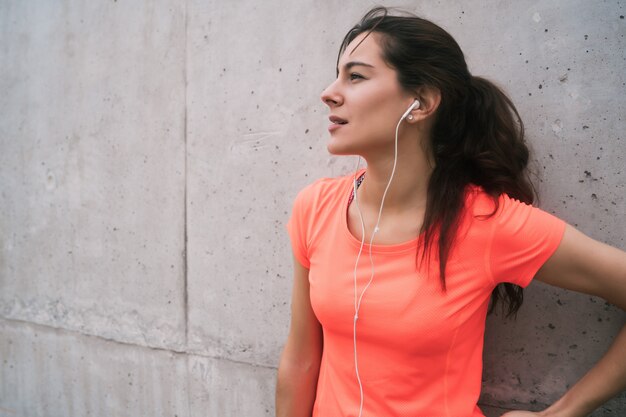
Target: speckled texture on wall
pixel 149 156
pixel 92 161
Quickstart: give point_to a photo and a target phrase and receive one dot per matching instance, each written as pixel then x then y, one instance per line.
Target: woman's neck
pixel 408 189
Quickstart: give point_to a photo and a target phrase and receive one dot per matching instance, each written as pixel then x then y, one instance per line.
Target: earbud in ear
pixel 415 105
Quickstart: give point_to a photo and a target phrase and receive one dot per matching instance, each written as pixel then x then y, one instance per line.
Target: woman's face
pixel 365 101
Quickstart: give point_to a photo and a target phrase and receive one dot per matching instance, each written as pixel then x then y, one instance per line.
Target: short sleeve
pixel 297 228
pixel 524 237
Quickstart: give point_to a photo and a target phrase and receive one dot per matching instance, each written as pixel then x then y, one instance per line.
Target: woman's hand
pixel 590 267
pixel 521 414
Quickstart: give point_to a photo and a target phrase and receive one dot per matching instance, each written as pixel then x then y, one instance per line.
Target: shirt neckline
pixel 376 248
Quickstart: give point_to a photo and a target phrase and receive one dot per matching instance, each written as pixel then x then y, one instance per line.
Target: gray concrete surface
pixel 93 168
pixel 149 155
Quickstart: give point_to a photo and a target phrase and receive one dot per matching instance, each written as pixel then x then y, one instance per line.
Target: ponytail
pixel 499 162
pixel 494 142
pixel 481 143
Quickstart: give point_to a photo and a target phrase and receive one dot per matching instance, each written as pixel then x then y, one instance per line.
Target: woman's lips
pixel 336 123
pixel 332 127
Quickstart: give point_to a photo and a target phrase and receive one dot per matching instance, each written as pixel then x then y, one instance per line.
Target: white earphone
pixel 358 299
pixel 415 105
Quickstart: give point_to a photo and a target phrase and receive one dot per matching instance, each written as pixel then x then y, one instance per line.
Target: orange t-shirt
pixel 419 349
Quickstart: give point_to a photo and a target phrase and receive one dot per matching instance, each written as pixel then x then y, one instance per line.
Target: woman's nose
pixel 330 96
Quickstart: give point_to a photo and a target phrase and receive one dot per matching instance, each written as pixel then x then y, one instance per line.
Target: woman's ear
pixel 429 98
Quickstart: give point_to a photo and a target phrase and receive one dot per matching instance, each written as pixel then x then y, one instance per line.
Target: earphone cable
pixel 357 304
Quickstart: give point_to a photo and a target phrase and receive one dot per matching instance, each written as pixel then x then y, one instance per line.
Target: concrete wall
pixel 149 154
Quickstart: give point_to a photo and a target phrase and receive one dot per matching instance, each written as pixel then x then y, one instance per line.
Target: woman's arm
pixel 585 265
pixel 300 361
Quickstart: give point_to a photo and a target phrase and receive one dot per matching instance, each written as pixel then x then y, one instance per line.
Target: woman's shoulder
pixel 507 213
pixel 326 189
pixel 483 204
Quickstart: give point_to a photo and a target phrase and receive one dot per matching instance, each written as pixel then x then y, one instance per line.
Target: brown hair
pixel 477 137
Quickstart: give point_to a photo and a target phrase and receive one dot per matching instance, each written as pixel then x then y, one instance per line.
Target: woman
pixel 395 266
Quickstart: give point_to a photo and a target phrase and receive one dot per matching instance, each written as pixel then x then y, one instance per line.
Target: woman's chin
pixel 338 149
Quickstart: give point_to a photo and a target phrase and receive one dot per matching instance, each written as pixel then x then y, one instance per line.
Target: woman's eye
pixel 355 76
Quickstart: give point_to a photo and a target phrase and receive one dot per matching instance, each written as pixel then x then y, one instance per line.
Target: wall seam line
pixel 185 202
pixel 74 333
